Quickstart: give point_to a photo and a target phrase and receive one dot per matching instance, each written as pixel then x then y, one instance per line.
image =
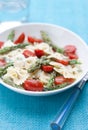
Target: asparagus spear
pixel 51 86
pixel 56 87
pixel 11 48
pixel 46 39
pixel 51 80
pixel 72 62
pixel 62 85
pixel 39 62
pixel 34 67
pixel 4 70
pixel 11 35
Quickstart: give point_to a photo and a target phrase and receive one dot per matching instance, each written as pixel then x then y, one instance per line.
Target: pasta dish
pixel 37 64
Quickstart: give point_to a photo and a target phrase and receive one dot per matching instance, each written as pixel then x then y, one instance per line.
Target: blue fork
pixel 58 123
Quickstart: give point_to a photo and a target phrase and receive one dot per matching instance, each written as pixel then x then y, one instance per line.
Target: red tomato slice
pixel 72 56
pixel 70 80
pixel 64 62
pixel 33 85
pixel 28 53
pixel 39 40
pixel 32 39
pixel 1 44
pixel 20 39
pixel 39 53
pixel 47 68
pixel 59 80
pixel 2 62
pixel 70 49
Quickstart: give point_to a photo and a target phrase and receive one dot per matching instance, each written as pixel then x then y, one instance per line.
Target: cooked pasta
pixel 39 64
pixel 18 75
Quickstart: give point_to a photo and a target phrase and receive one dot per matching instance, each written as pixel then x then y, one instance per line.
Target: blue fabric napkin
pixel 20 112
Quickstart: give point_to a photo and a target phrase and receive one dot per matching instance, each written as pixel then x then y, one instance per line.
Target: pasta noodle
pixel 45 47
pixel 59 55
pixel 16 74
pixel 66 71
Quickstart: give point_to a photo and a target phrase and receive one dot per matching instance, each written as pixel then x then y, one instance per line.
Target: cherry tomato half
pixel 59 80
pixel 28 53
pixel 72 56
pixel 64 62
pixel 1 44
pixel 70 49
pixel 47 68
pixel 20 39
pixel 39 53
pixel 33 85
pixel 2 62
pixel 70 80
pixel 32 40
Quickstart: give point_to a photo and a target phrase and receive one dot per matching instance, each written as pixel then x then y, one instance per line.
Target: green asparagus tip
pixel 11 35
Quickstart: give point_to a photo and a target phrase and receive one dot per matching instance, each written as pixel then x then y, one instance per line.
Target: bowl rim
pixel 51 92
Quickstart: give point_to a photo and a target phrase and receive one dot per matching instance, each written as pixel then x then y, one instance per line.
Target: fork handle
pixel 58 123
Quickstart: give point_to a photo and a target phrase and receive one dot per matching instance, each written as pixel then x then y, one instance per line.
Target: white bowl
pixel 61 37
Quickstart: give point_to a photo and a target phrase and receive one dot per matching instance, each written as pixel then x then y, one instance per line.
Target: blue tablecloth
pixel 19 112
